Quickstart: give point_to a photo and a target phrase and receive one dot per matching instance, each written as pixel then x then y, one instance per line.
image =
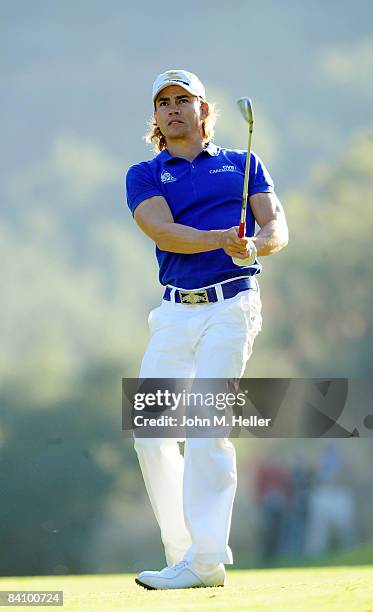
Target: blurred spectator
pixel 332 512
pixel 295 524
pixel 272 488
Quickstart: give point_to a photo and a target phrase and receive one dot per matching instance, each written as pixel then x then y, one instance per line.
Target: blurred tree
pixel 59 464
pixel 318 292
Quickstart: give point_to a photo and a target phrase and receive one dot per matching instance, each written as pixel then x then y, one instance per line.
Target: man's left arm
pixel 270 216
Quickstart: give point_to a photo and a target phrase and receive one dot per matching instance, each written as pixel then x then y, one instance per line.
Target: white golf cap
pixel 183 78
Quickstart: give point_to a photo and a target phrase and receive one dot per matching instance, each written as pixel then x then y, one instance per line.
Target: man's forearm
pixel 178 238
pixel 272 237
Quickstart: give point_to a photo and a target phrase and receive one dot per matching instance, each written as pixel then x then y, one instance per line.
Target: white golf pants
pixel 192 496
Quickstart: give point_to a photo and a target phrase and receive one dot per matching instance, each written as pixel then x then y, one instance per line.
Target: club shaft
pixel 242 227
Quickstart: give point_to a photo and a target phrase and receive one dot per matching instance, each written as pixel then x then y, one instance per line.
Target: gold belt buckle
pixel 194 297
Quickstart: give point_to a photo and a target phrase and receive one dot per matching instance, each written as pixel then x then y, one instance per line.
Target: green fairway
pixel 313 589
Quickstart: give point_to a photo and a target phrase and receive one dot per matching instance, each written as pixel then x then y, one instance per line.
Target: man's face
pixel 179 114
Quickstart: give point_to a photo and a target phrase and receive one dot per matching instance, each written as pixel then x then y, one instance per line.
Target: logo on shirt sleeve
pixel 166 177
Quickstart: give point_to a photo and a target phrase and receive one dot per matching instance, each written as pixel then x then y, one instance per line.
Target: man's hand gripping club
pixel 234 246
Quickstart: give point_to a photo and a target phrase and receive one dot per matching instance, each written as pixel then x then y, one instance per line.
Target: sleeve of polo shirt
pixel 140 185
pixel 260 180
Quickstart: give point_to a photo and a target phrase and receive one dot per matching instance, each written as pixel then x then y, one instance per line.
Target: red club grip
pixel 242 230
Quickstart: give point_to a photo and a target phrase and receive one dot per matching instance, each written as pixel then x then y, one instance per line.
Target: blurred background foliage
pixel 78 277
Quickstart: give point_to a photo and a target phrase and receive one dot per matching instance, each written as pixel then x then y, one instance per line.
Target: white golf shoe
pixel 182 576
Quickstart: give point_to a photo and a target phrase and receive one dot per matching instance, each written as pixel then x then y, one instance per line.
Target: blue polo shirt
pixel 205 194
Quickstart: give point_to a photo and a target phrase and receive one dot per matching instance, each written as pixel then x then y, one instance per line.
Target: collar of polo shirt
pixel 210 148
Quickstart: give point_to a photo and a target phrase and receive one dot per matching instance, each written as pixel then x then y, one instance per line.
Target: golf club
pixel 246 109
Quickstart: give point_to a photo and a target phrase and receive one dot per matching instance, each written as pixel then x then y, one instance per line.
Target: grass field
pixel 298 590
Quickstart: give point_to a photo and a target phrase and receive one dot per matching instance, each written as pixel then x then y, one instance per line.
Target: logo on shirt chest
pixel 223 169
pixel 166 177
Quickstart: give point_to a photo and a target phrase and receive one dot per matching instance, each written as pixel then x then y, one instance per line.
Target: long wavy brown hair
pixel 155 137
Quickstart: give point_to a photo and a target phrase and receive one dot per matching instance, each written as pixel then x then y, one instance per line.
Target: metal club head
pixel 246 108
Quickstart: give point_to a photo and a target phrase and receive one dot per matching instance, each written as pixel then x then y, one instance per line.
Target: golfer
pixel 187 199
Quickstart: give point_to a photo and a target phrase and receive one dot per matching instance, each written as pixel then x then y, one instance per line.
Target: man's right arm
pixel 154 217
